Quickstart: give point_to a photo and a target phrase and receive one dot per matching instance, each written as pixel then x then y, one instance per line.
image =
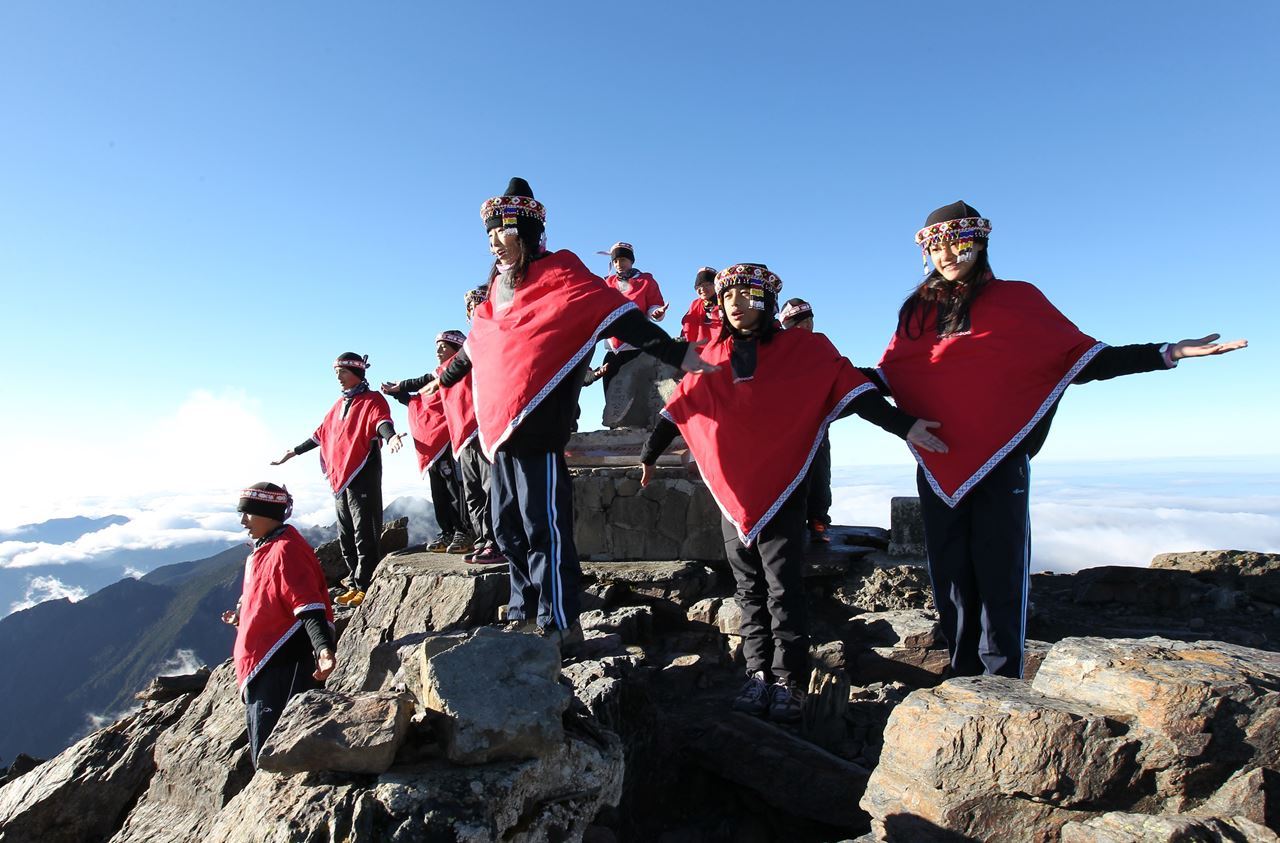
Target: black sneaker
pixel 786 702
pixel 461 544
pixel 440 544
pixel 753 699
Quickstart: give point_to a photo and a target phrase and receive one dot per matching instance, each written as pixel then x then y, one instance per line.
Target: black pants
pixel 476 483
pixel 360 523
pixel 770 593
pixel 533 523
pixel 819 482
pixel 615 360
pixel 446 495
pixel 286 673
pixel 979 562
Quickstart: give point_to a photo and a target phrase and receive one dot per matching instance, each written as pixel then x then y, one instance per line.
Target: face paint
pixel 757 297
pixel 964 251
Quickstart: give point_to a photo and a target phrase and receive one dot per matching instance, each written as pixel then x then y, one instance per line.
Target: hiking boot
pixel 440 544
pixel 566 640
pixel 345 597
pixel 818 532
pixel 461 544
pixel 488 555
pixel 356 599
pixel 786 702
pixel 753 699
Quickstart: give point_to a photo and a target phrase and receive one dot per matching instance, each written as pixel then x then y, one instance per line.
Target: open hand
pixel 921 435
pixel 390 388
pixel 232 617
pixel 659 312
pixel 646 474
pixel 288 455
pixel 1204 347
pixel 325 663
pixel 394 444
pixel 693 361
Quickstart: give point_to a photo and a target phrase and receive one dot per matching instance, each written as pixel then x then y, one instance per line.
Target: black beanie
pixel 356 364
pixel 267 500
pixel 705 275
pixel 622 250
pixel 516 204
pixel 955 211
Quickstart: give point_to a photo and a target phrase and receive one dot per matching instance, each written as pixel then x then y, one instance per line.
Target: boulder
pixel 633 624
pixel 901 645
pixel 544 800
pixel 165 688
pixel 347 733
pixel 1119 827
pixel 202 761
pixel 1253 794
pixel 19 766
pixel 877 589
pixel 496 696
pixel 681 583
pixel 394 538
pixel 413 594
pixel 782 770
pixel 637 391
pixel 83 794
pixel 1258 574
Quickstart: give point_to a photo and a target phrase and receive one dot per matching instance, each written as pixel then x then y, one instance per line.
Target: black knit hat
pixel 515 210
pixel 955 211
pixel 958 222
pixel 622 250
pixel 794 312
pixel 706 275
pixel 356 364
pixel 267 500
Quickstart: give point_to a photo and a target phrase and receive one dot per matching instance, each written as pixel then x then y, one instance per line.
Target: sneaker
pixel 471 557
pixel 786 702
pixel 565 640
pixel 488 555
pixel 818 532
pixel 356 599
pixel 461 544
pixel 345 597
pixel 753 699
pixel 440 544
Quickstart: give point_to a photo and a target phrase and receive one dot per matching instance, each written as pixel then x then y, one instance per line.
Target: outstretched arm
pixel 660 438
pixel 635 330
pixel 301 448
pixel 1204 347
pixel 1119 360
pixel 874 408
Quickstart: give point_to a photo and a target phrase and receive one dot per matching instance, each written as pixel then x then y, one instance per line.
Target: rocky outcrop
pixel 638 391
pixel 1145 727
pixel 1118 827
pixel 84 793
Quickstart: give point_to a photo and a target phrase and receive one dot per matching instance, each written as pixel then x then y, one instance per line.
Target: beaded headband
pixel 476 296
pixel 280 498
pixel 795 311
pixel 509 209
pixel 962 231
pixel 758 279
pixel 360 363
pixel 452 337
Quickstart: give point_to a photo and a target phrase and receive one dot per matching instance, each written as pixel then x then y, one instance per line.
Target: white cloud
pixel 40 589
pixel 130 571
pixel 182 662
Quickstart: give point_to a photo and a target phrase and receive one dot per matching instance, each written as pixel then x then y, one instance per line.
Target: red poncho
pixel 428 428
pixel 345 443
pixel 695 326
pixel 988 386
pixel 459 412
pixel 642 290
pixel 520 353
pixel 753 440
pixel 282 579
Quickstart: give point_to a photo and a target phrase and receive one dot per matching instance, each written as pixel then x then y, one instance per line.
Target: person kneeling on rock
pixel 284 620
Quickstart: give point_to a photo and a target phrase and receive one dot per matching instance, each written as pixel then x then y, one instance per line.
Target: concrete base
pixel 674 518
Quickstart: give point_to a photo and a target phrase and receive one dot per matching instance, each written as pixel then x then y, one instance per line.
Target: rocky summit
pixel 1150 712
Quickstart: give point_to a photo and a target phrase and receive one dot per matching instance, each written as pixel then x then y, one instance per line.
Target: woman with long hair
pixel 990 359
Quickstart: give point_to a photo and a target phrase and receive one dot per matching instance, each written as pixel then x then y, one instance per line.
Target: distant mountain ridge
pixel 61 530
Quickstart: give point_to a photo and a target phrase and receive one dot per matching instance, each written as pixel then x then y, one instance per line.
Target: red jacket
pixel 347 440
pixel 698 325
pixel 642 290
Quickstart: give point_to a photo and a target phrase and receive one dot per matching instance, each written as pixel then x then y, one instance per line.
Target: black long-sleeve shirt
pixel 549 426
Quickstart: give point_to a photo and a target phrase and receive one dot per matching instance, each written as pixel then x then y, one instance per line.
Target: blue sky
pixel 202 204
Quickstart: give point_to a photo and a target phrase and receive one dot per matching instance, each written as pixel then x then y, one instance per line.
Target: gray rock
pixel 634 624
pixel 637 392
pixel 673 518
pixel 682 583
pixel 1119 827
pixel 914 628
pixel 413 594
pixel 347 733
pixel 1253 794
pixel 394 538
pixel 545 800
pixel 165 688
pixel 83 794
pixel 202 762
pixel 783 770
pixel 496 696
